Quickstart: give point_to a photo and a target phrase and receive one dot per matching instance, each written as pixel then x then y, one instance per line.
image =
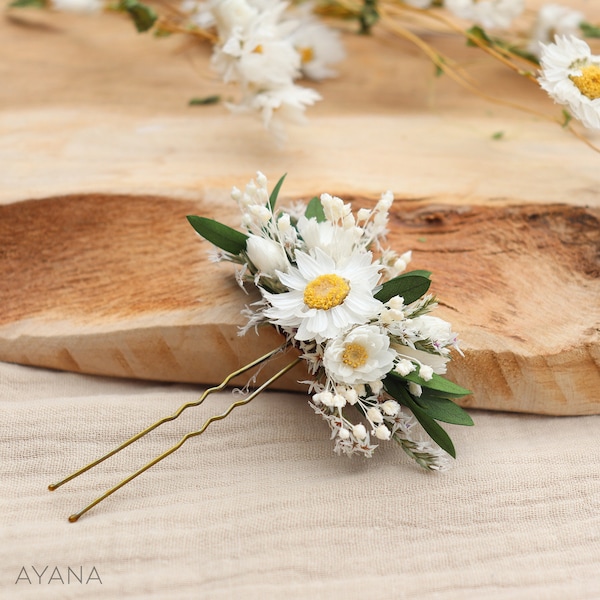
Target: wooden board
pixel 101 160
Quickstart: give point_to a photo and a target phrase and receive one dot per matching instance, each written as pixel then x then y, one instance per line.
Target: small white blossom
pixel 339 401
pixel 382 432
pixel 426 372
pixel 391 408
pixel 359 431
pixel 334 208
pixel 343 434
pixel 349 394
pixel 325 398
pixel 404 367
pixel 376 386
pixel 374 415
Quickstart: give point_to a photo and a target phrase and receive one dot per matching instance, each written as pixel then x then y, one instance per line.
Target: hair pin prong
pixel 73 518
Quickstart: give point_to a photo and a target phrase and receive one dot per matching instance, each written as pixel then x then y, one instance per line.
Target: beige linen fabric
pixel 260 507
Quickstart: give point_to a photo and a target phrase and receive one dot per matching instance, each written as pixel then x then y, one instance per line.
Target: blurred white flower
pixel 490 14
pixel 553 20
pixel 318 45
pixel 78 6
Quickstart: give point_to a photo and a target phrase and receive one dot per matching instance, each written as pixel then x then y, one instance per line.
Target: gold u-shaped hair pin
pixel 75 517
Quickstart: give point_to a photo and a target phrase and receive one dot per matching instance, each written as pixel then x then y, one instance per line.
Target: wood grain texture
pixel 122 286
pixel 102 159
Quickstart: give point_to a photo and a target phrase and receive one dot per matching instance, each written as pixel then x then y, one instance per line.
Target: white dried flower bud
pixel 236 194
pixel 382 433
pixel 376 386
pixel 363 214
pixel 247 221
pixel 350 395
pixel 426 372
pixel 404 367
pixel 261 213
pixel 407 256
pixel 348 222
pixel 415 389
pixel 284 224
pixel 266 255
pixel 374 415
pixel 385 201
pixel 261 179
pixel 360 389
pixel 343 434
pixel 325 398
pixel 359 431
pixel 339 401
pixel 395 303
pixel 333 208
pixel 391 408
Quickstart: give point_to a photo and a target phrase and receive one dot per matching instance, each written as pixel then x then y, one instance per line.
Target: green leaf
pixel 220 235
pixel 205 101
pixel 411 286
pixel 498 135
pixel 435 431
pixel 436 383
pixel 314 210
pixel 143 16
pixel 478 33
pixel 275 192
pixel 27 4
pixel 368 16
pixel 567 116
pixel 589 30
pixel 443 409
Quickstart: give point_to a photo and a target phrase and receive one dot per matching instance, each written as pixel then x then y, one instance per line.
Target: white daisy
pixel 571 75
pixel 326 297
pixel 552 20
pixel 319 46
pixel 363 355
pixel 490 14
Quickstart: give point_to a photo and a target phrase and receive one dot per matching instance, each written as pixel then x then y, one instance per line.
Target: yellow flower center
pixel 326 291
pixel 355 355
pixel 588 83
pixel 306 55
pixel 258 49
